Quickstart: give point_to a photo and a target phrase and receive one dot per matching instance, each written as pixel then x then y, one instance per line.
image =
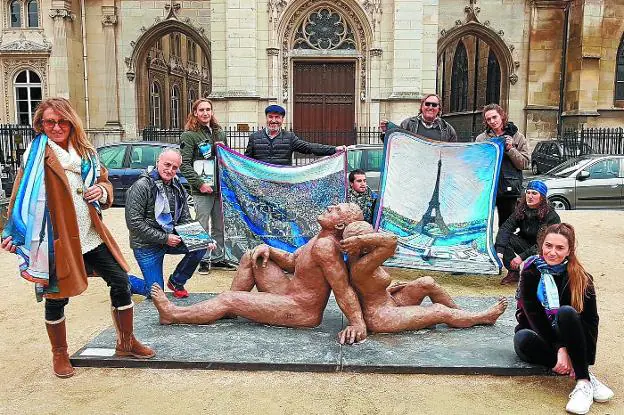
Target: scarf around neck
pixel 29 222
pixel 162 211
pixel 547 291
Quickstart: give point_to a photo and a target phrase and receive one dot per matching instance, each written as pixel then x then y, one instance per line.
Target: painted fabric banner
pixel 275 205
pixel 438 198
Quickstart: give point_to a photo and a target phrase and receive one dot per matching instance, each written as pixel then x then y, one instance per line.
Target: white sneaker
pixel 581 398
pixel 602 393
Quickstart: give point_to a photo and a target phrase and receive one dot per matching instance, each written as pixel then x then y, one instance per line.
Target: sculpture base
pixel 238 344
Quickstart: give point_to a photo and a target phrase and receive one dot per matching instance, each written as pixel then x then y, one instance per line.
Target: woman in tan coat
pixel 56 228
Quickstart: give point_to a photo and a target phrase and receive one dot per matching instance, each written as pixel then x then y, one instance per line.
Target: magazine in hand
pixel 194 236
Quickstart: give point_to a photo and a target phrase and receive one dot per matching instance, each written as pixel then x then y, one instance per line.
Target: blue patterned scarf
pixel 547 292
pixel 162 211
pixel 29 222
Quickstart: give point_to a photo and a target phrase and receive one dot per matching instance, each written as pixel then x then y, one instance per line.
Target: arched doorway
pixel 324 61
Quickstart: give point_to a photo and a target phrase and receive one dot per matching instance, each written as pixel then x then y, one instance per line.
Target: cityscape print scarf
pixel 29 222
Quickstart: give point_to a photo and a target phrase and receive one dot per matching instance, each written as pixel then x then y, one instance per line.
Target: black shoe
pixel 204 268
pixel 222 265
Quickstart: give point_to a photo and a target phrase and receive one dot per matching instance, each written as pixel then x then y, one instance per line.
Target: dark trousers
pixel 515 246
pixel 532 348
pixel 104 264
pixel 505 206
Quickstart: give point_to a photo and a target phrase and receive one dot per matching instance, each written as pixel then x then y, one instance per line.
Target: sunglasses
pixel 432 104
pixel 50 123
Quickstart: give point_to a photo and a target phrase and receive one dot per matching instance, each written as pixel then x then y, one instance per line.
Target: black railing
pixel 593 140
pixel 13 142
pixel 238 139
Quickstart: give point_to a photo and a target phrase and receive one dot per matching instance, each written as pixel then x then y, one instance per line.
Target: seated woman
pixel 397 308
pixel 532 214
pixel 557 316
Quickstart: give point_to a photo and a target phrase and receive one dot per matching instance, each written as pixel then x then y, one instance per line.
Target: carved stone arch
pixel 141 47
pixel 139 56
pixel 501 50
pixel 354 15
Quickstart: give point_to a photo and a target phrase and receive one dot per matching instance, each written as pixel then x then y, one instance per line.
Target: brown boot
pixel 58 339
pixel 127 344
pixel 511 278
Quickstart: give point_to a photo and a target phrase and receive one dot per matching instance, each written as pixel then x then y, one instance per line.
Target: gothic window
pixel 192 96
pixel 33 13
pixel 15 13
pixel 459 80
pixel 175 107
pixel 174 38
pixel 324 29
pixel 492 92
pixel 27 87
pixel 156 105
pixel 619 73
pixel 191 51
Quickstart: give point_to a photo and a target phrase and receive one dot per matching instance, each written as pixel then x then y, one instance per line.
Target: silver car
pixel 588 182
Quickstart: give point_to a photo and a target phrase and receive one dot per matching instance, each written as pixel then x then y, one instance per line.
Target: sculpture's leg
pixel 395 319
pixel 267 308
pixel 270 278
pixel 413 293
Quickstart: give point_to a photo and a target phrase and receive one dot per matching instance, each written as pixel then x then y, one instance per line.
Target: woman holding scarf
pixel 557 316
pixel 533 214
pixel 56 229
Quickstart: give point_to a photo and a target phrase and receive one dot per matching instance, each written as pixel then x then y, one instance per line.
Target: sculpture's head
pixel 356 228
pixel 337 217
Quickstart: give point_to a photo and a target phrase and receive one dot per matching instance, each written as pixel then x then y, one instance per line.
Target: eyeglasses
pixel 431 104
pixel 50 123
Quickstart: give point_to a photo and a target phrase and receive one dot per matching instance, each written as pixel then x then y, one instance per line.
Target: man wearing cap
pixel 275 146
pixel 533 213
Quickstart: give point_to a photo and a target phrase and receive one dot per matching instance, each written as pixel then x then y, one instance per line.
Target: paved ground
pixel 29 386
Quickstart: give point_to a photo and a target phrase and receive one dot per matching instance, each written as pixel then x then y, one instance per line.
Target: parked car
pixel 368 157
pixel 550 153
pixel 127 160
pixel 588 182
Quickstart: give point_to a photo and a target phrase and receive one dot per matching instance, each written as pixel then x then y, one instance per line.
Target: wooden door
pixel 324 102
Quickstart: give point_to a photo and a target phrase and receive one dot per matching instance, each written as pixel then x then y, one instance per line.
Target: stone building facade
pixel 129 64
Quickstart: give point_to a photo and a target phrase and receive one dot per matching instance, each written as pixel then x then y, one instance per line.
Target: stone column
pixel 241 48
pixel 408 40
pixel 109 21
pixel 59 61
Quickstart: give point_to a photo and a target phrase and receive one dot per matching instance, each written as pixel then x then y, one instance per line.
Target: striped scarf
pixel 29 222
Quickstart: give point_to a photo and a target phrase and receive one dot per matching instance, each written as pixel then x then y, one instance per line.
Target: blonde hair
pixel 77 134
pixel 192 123
pixel 580 280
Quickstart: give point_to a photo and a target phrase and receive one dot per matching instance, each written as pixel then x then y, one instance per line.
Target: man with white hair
pixel 156 203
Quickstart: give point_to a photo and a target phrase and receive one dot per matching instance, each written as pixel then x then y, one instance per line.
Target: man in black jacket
pixel 276 146
pixel 156 203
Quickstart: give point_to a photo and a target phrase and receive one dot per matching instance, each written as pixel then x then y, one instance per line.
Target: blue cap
pixel 275 109
pixel 538 186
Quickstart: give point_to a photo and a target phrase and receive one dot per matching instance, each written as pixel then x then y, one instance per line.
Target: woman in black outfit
pixel 533 213
pixel 557 316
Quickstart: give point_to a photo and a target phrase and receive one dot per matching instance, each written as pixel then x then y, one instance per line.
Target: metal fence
pixel 593 140
pixel 238 139
pixel 13 142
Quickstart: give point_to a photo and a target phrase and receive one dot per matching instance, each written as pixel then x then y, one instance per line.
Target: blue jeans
pixel 151 263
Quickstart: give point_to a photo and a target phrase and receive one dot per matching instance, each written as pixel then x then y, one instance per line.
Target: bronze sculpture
pixel 293 289
pixel 389 309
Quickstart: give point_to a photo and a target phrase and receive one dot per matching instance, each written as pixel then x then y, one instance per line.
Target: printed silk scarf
pixel 162 211
pixel 29 222
pixel 547 292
